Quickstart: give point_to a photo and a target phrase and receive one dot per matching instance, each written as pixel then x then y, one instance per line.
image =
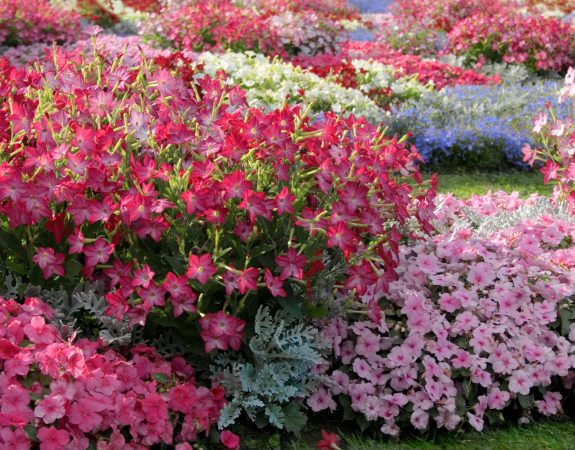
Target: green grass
pixel 539 436
pixel 464 184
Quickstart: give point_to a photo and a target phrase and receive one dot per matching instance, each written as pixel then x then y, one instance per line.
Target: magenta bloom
pixel 292 264
pixel 201 268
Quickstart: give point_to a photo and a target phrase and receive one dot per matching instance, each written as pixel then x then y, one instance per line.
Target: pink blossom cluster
pixel 213 26
pixel 305 32
pixel 565 6
pixel 32 21
pixel 131 48
pixel 426 70
pixel 418 24
pixel 64 394
pixel 469 329
pixel 557 151
pixel 276 28
pixel 541 44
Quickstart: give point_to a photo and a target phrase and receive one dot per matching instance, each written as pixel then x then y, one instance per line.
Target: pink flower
pixel 50 408
pixel 53 439
pixel 520 382
pixel 274 284
pixel 248 280
pixel 98 253
pixel 481 275
pixel 84 414
pixel 221 331
pixel 321 400
pixel 328 441
pixel 475 421
pixel 201 268
pixel 230 440
pixel 292 264
pixel 38 332
pixel 51 263
pixel 143 277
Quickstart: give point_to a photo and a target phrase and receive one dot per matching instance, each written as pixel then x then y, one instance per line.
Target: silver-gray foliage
pixel 270 387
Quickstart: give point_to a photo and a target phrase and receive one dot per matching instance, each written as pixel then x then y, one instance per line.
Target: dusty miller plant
pixel 269 386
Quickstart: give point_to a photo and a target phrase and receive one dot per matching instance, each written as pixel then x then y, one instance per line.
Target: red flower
pixel 328 441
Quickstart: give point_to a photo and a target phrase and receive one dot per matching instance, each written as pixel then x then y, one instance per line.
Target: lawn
pixel 539 436
pixel 464 184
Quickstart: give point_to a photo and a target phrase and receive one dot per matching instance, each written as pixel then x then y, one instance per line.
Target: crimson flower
pixel 328 441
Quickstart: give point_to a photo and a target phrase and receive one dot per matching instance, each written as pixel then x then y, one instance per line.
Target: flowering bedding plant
pixel 419 26
pixel 556 139
pixel 478 324
pixel 541 44
pixel 372 66
pixel 275 29
pixel 257 219
pixel 191 207
pixel 33 21
pixel 476 126
pixel 268 84
pixel 76 395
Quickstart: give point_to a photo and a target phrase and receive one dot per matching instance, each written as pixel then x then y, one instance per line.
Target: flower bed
pixel 65 394
pixel 23 23
pixel 477 325
pixel 476 126
pixel 256 219
pixel 541 44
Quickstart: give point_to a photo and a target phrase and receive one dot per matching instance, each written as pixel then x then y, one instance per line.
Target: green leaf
pixel 275 441
pixel 294 418
pixel 73 268
pixel 177 264
pixel 31 431
pixel 362 422
pixel 565 317
pixel 161 378
pixel 9 241
pixel 526 401
pixel 348 413
pixel 275 415
pixel 315 310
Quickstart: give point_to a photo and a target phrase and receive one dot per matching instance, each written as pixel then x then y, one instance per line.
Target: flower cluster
pixel 130 48
pixel 562 7
pixel 278 28
pixel 304 32
pixel 358 58
pixel 474 325
pixel 212 25
pixel 74 395
pixel 476 126
pixel 268 84
pixel 33 21
pixel 418 26
pixel 541 44
pixel 556 136
pixel 427 71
